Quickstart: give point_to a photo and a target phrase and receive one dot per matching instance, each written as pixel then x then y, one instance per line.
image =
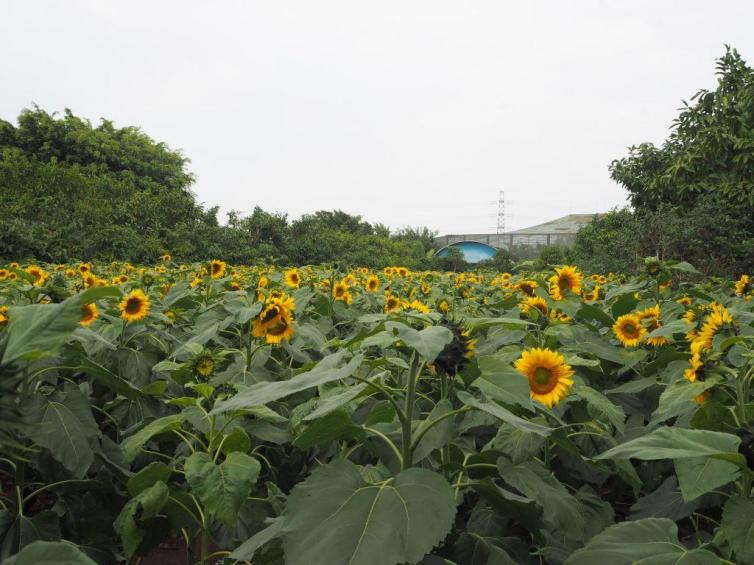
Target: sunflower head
pixel 134 306
pixel 565 280
pixel 204 365
pixel 3 316
pixel 39 275
pixel 392 303
pixel 454 356
pixel 216 268
pixel 275 321
pixel 341 292
pixel 533 303
pixel 629 330
pixel 373 283
pixel 89 313
pixel 292 278
pixel 548 374
pixel 743 285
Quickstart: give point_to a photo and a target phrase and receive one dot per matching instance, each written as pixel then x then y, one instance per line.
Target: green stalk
pixel 408 410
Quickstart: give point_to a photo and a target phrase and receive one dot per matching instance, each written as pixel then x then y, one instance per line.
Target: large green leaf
pixel 327 370
pixel 434 435
pixel 335 517
pixel 700 475
pixel 428 342
pixel 652 541
pixel 133 444
pixel 39 330
pixel 50 553
pixel 222 488
pixel 503 414
pixel 129 523
pixel 246 550
pixel 677 443
pixel 738 527
pixel 601 407
pixel 63 423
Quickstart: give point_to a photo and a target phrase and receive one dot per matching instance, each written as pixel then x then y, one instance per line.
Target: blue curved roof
pixel 473 251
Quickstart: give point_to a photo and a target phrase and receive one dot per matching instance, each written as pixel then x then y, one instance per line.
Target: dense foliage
pixel 693 197
pixel 321 415
pixel 74 191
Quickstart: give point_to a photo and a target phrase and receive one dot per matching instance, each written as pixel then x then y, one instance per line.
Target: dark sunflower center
pixel 542 376
pixel 564 283
pixel 133 305
pixel 339 290
pixel 270 314
pixel 630 330
pixel 278 328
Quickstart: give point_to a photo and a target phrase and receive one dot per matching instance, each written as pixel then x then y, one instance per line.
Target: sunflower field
pixel 211 413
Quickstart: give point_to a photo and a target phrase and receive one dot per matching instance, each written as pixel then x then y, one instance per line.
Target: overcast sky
pixel 406 112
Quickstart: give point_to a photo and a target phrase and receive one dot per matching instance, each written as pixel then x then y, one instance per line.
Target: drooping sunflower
pixel 566 279
pixel 455 355
pixel 718 319
pixel 692 372
pixel 526 286
pixel 292 278
pixel 629 330
pixel 419 307
pixel 650 317
pixel 340 292
pixel 89 313
pixel 535 302
pixel 134 306
pixel 216 268
pixel 548 374
pixel 425 288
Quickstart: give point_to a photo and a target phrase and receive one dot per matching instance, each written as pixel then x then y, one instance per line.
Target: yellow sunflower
pixel 340 292
pixel 40 276
pixel 715 321
pixel 134 306
pixel 292 278
pixel 419 307
pixel 651 318
pixel 4 274
pixel 89 313
pixel 526 286
pixel 629 330
pixel 216 268
pixel 392 303
pixel 373 283
pixel 549 376
pixel 535 302
pixel 274 323
pixel 692 372
pixel 743 285
pixel 566 279
pixel 3 316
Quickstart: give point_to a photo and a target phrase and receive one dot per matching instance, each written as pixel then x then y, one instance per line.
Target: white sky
pixel 406 112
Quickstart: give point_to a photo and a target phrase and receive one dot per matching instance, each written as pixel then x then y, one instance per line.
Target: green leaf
pixel 147 504
pixel 738 527
pixel 678 398
pixel 335 425
pixel 517 444
pixel 664 502
pixel 332 402
pixel 133 444
pixel 223 488
pixel 64 424
pixel 334 516
pixel 428 342
pixel 327 370
pixel 602 408
pixel 438 435
pixel 246 550
pixel 675 443
pixel 50 553
pixel 503 414
pixel 650 541
pixel 236 440
pixel 108 379
pixel 147 477
pixel 40 330
pixel 700 475
pixel 684 267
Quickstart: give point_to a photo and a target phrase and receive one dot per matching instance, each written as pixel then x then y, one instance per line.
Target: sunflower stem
pixel 408 410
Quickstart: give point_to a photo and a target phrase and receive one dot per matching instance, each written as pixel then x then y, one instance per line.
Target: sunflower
pixel 455 355
pixel 403 272
pixel 526 286
pixel 692 372
pixel 275 322
pixel 591 296
pixel 444 306
pixel 629 330
pixel 535 302
pixel 340 292
pixel 425 288
pixel 4 274
pixel 651 317
pixel 419 307
pixel 40 276
pixel 134 306
pixel 743 286
pixel 216 268
pixel 392 303
pixel 204 365
pixel 88 314
pixel 566 279
pixel 3 316
pixel 685 300
pixel 85 268
pixel 549 376
pixel 715 321
pixel 292 278
pixel 166 258
pixel 372 284
pixel 350 280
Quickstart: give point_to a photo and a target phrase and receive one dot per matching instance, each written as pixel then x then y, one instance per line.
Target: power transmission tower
pixel 501 212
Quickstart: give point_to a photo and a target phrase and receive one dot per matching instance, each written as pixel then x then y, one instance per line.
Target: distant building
pixel 479 246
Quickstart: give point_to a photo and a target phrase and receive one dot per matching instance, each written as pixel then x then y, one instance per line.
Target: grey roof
pixel 569 224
